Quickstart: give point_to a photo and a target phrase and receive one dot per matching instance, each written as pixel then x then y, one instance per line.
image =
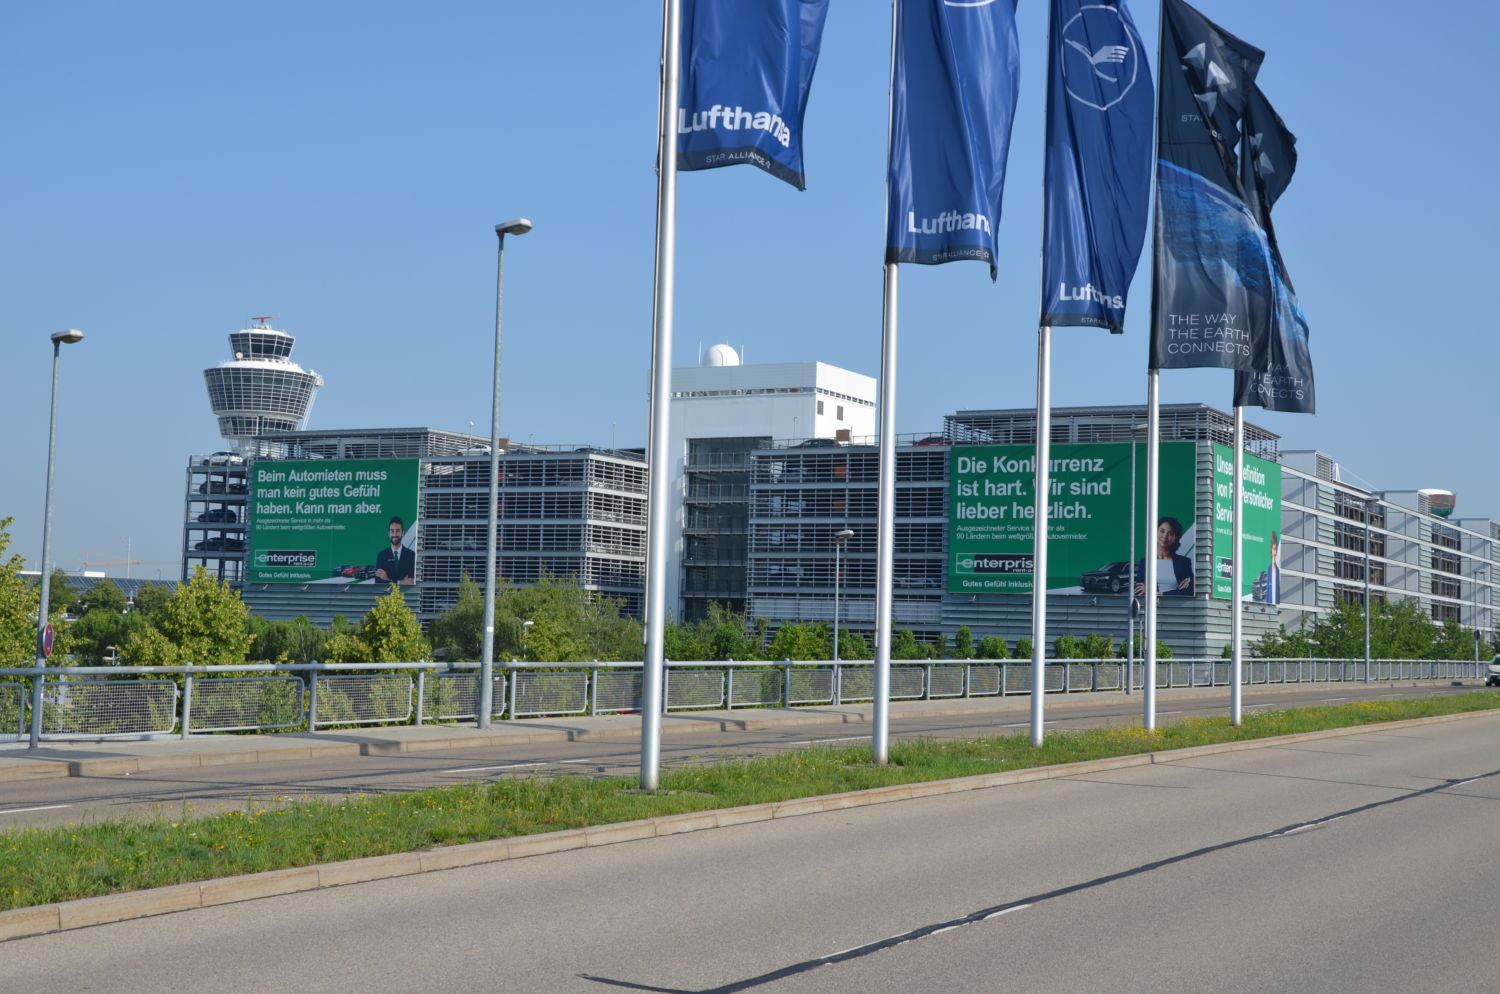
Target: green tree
pixel 993 647
pixel 391 633
pixel 963 643
pixel 104 596
pixel 202 622
pixel 1096 646
pixel 60 592
pixel 797 641
pixel 19 600
pixel 151 598
pixel 1023 647
pixel 904 645
pixel 295 641
pixel 1067 647
pixel 458 633
pixel 854 645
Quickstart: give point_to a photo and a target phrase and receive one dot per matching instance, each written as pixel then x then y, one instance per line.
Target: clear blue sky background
pixel 172 169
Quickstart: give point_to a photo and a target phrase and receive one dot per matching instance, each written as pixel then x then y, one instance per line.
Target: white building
pixel 721 411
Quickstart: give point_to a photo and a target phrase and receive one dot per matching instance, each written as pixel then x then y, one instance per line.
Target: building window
pixel 820 407
pixel 840 412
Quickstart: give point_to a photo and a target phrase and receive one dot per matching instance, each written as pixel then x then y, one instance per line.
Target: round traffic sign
pixel 47 639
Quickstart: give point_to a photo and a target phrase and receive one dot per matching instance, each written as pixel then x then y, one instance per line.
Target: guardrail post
pixel 786 684
pixel 729 687
pixel 515 692
pixel 927 682
pixel 421 694
pixel 666 684
pixel 187 701
pixel 312 701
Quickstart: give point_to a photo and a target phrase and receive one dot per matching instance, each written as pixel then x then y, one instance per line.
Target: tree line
pixel 205 622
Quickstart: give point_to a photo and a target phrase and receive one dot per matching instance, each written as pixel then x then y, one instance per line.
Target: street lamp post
pixel 1486 571
pixel 839 538
pixel 59 339
pixel 519 226
pixel 1369 516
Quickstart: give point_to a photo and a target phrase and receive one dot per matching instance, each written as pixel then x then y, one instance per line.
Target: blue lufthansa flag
pixel 747 67
pixel 952 103
pixel 1212 294
pixel 1099 124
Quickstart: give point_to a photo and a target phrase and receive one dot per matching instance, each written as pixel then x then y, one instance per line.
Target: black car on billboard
pixel 1111 578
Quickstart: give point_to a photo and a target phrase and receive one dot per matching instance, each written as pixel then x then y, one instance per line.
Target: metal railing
pixel 100 702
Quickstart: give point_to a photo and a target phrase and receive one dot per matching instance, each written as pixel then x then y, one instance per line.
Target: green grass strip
pixel 46 865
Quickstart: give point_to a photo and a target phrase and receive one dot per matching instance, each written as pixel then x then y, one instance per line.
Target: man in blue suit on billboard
pixel 396 564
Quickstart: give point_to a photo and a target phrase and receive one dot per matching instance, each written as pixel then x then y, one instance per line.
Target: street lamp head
pixel 67 337
pixel 519 226
pixel 846 533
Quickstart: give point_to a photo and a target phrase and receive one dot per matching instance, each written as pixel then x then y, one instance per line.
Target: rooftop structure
pixel 260 389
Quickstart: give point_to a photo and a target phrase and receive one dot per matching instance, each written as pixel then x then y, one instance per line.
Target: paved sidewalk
pixel 93 757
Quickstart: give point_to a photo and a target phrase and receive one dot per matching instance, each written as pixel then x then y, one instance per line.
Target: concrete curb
pixel 64 916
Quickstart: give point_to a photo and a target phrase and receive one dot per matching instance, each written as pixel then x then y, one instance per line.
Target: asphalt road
pixel 209 790
pixel 1359 863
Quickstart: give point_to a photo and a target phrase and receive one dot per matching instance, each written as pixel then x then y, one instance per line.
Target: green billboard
pixel 992 509
pixel 333 521
pixel 1261 508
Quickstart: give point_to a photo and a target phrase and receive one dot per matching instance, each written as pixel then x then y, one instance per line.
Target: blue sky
pixel 174 168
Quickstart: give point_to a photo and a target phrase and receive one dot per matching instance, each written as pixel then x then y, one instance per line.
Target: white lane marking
pixel 1006 911
pixel 1330 700
pixel 1169 712
pixel 1465 783
pixel 1303 828
pixel 486 769
pixel 45 807
pixel 841 738
pixel 940 931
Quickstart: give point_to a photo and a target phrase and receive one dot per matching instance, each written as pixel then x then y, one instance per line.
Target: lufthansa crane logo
pixel 1101 56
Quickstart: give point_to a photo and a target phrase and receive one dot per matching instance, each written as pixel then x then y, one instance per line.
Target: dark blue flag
pixel 1099 124
pixel 953 99
pixel 747 67
pixel 1213 291
pixel 1268 157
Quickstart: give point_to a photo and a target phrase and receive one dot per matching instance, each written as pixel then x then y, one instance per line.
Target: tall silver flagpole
pixel 885 521
pixel 1236 634
pixel 658 505
pixel 1153 474
pixel 1039 531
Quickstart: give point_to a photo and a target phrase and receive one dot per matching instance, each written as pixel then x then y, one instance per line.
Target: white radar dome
pixel 721 355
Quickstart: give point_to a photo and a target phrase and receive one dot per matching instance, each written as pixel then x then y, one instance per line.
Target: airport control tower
pixel 260 389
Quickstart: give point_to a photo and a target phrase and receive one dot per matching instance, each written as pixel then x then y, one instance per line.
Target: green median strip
pixel 47 865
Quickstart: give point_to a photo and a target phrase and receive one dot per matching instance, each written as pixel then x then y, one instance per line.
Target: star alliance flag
pixel 1212 297
pixel 1099 106
pixel 952 103
pixel 747 67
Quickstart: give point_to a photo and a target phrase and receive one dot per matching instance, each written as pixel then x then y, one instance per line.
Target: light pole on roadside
pixel 1369 518
pixel 519 226
pixel 1486 571
pixel 839 538
pixel 43 641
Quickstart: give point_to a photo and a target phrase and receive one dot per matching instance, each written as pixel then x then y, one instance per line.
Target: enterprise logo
pixel 286 557
pixel 997 564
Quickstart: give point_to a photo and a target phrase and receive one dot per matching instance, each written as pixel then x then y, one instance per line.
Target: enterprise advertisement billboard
pixel 333 521
pixel 1260 579
pixel 992 510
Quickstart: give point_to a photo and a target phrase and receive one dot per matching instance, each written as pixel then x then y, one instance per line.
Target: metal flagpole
pixel 1153 472
pixel 1236 569
pixel 659 463
pixel 1039 532
pixel 885 521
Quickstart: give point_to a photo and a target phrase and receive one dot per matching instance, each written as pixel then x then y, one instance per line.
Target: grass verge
pixel 46 865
